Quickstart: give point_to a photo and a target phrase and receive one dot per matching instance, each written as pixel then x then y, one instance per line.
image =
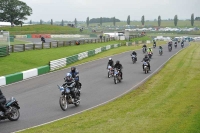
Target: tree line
pixel 9 13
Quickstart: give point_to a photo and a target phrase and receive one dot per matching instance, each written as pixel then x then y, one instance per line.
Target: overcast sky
pixel 81 9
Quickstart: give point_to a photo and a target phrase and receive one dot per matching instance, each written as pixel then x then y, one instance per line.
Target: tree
pixel 40 21
pixel 128 20
pixel 75 22
pixel 51 21
pixel 175 20
pixel 192 19
pixel 142 20
pixel 159 21
pixel 114 22
pixel 62 23
pixel 97 20
pixel 88 21
pixel 30 21
pixel 101 21
pixel 14 11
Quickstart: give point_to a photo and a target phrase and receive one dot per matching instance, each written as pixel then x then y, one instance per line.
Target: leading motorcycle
pixel 67 97
pixel 13 110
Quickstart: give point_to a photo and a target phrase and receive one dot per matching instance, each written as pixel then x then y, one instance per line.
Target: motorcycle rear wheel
pixel 14 115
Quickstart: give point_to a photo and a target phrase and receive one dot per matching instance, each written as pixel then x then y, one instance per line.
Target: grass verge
pixel 168 102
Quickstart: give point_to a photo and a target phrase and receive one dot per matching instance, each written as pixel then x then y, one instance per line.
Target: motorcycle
pixel 110 72
pixel 66 97
pixel 146 67
pixel 154 45
pixel 13 110
pixel 150 54
pixel 117 76
pixel 175 45
pixel 160 52
pixel 144 50
pixel 133 58
pixel 170 48
pixel 182 45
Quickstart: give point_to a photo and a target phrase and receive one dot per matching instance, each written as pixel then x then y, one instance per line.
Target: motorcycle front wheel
pixel 14 115
pixel 63 103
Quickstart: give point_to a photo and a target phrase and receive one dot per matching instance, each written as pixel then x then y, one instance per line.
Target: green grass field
pixel 41 29
pixel 167 102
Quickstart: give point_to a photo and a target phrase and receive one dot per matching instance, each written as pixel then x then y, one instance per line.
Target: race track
pixel 39 96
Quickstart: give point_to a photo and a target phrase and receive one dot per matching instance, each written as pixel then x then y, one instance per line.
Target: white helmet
pixel 110 58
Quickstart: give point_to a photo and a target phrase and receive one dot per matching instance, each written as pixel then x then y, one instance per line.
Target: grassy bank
pixel 41 29
pixel 168 102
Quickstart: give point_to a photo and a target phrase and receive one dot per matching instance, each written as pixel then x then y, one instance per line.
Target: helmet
pixel 73 69
pixel 68 76
pixel 149 47
pixel 146 56
pixel 134 51
pixel 110 58
pixel 117 62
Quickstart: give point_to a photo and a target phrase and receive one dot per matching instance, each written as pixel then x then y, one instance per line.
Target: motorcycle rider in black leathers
pixel 68 81
pixel 154 42
pixel 110 63
pixel 119 66
pixel 146 59
pixel 145 46
pixel 170 44
pixel 2 102
pixel 75 74
pixel 134 53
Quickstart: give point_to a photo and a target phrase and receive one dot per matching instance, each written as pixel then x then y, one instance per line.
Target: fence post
pixel 42 45
pixel 24 47
pixel 33 46
pixel 12 48
pixel 57 44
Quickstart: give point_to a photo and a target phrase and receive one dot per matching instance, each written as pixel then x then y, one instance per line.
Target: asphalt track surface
pixel 39 97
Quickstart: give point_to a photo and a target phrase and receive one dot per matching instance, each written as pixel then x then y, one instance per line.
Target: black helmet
pixel 133 51
pixel 73 69
pixel 146 56
pixel 117 62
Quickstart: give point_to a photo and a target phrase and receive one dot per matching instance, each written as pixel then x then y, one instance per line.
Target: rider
pixel 161 48
pixel 170 44
pixel 182 43
pixel 68 81
pixel 175 43
pixel 75 74
pixel 43 39
pixel 145 46
pixel 134 53
pixel 119 66
pixel 154 42
pixel 150 50
pixel 110 63
pixel 2 102
pixel 146 59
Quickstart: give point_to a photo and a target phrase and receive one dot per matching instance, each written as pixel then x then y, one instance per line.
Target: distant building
pixel 5 24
